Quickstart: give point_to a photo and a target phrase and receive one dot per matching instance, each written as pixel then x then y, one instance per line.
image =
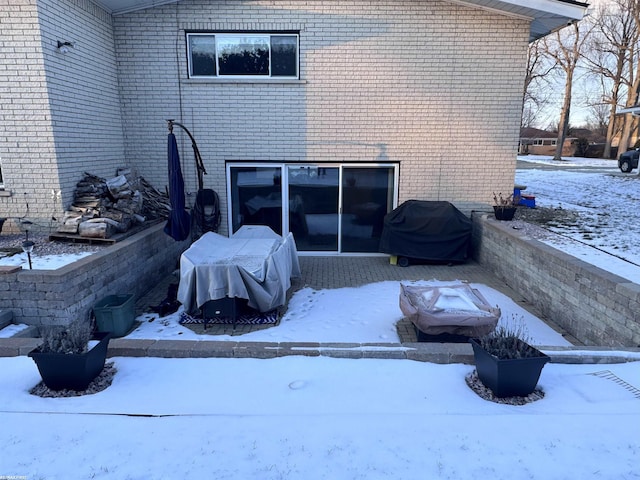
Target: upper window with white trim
pixel 243 55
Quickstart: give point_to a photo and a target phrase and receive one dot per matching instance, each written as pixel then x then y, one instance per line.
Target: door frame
pixel 284 188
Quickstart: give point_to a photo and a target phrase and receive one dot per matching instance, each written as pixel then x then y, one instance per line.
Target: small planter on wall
pixel 504 213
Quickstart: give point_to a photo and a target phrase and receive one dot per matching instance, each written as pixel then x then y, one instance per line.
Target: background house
pixel 360 121
pixel 580 142
pixel 542 142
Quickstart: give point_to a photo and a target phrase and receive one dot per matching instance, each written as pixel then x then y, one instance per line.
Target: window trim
pixel 242 78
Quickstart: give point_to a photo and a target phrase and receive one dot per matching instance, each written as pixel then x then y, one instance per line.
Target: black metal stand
pixel 196 151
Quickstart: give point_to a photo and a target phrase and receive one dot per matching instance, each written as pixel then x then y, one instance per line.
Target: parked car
pixel 629 160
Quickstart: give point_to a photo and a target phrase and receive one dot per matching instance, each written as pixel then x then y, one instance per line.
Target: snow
pixel 318 418
pixel 365 314
pixel 608 202
pixel 44 262
pixel 326 418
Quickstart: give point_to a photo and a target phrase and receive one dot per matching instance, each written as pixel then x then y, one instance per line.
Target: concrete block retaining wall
pixel 595 306
pixel 55 297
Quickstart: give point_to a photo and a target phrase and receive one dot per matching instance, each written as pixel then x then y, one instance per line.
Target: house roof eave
pixel 121 7
pixel 546 15
pixel 633 110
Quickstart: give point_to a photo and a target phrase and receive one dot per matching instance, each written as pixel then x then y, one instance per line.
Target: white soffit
pixel 634 110
pixel 545 15
pixel 120 7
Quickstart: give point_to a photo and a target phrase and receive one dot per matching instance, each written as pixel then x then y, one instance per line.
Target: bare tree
pixel 598 119
pixel 632 81
pixel 536 93
pixel 612 40
pixel 565 47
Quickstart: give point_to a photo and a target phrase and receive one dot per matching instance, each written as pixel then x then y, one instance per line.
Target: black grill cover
pixel 432 231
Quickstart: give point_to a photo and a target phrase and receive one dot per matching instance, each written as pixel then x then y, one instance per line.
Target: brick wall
pixel 54 297
pixel 27 151
pixel 595 306
pixel 436 86
pixel 60 113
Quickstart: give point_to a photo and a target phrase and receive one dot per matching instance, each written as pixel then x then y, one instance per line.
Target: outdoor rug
pixel 248 318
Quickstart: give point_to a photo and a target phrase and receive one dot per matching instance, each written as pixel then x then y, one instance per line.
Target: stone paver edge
pixel 442 353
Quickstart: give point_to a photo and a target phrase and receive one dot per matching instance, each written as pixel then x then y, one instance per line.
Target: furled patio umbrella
pixel 179 222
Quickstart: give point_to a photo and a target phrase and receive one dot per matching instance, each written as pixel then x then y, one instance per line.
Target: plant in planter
pixel 65 358
pixel 504 207
pixel 506 363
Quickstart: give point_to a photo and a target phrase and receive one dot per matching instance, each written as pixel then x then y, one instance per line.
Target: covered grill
pixel 429 230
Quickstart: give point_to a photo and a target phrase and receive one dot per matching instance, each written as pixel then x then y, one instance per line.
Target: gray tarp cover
pixel 454 309
pixel 255 263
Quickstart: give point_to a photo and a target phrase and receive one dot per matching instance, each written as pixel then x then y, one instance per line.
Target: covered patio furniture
pixel 255 264
pixel 447 311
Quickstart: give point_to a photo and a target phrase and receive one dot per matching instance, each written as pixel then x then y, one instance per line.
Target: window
pixel 243 55
pixel 1 179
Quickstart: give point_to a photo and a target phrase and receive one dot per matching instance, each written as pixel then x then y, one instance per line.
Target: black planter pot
pixel 504 213
pixel 516 377
pixel 61 371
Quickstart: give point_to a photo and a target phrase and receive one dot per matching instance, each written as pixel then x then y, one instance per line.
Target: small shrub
pixel 73 338
pixel 508 342
pixel 500 200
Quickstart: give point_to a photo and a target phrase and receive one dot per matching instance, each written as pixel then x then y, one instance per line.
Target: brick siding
pixel 61 113
pixel 433 85
pixel 436 86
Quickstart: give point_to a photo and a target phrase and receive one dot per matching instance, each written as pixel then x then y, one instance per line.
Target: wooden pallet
pixel 75 238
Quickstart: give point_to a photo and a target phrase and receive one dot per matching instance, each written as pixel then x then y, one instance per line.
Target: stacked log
pixel 103 207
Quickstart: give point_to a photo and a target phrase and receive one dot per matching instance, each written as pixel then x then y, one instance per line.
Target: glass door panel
pixel 367 196
pixel 313 207
pixel 256 197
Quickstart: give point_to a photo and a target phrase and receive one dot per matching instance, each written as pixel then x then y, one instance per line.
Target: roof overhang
pixel 120 7
pixel 635 110
pixel 546 16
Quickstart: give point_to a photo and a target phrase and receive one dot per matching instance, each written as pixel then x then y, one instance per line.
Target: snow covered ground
pixel 317 418
pixel 607 202
pixel 327 418
pixel 366 314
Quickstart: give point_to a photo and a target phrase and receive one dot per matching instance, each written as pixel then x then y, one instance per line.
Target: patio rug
pixel 249 318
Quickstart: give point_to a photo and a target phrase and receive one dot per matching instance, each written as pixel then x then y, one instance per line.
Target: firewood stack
pixel 103 207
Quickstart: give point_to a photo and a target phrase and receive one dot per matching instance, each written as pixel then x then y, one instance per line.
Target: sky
pixel 323 418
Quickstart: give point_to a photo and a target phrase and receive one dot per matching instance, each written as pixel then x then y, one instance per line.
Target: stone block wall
pixel 595 306
pixel 56 297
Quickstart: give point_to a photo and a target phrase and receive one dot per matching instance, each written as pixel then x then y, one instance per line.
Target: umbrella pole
pixel 196 152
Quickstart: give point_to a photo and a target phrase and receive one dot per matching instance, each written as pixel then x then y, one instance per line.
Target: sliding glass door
pixel 328 208
pixel 367 196
pixel 255 197
pixel 313 207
